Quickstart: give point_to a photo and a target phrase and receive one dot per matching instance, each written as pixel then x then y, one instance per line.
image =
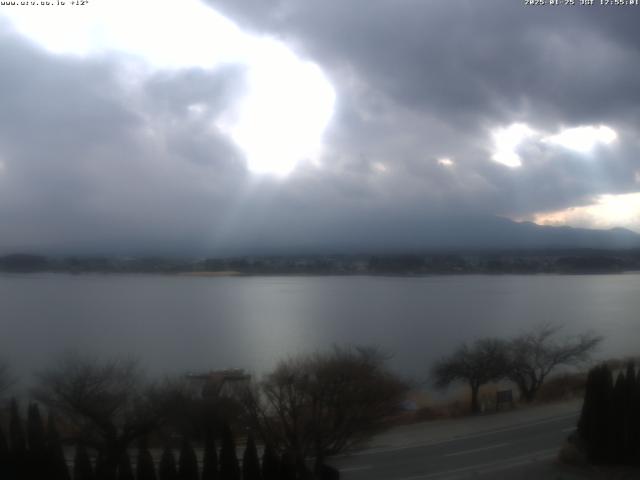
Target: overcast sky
pixel 182 126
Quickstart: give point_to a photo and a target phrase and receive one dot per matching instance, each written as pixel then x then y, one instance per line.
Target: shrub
pixel 145 469
pixel 82 469
pixel 167 469
pixel 270 464
pixel 125 471
pixel 57 462
pixel 229 468
pixel 188 464
pixel 608 425
pixel 16 434
pixel 250 462
pixel 210 460
pixel 37 451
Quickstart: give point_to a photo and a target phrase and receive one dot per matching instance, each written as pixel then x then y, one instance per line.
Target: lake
pixel 179 323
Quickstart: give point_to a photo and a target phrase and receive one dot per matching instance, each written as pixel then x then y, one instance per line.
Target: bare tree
pixel 535 354
pixel 323 404
pixel 482 362
pixel 106 402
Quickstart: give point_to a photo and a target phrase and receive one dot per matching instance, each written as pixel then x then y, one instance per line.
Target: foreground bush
pixel 323 404
pixel 609 425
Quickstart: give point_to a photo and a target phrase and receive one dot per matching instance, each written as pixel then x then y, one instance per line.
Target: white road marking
pixel 474 450
pixel 570 429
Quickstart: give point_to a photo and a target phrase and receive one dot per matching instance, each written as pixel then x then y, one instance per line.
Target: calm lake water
pixel 177 324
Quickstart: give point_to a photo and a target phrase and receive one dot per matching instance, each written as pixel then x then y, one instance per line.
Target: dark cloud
pixel 94 163
pixel 433 78
pixel 464 57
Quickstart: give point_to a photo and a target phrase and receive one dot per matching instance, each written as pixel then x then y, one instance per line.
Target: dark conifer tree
pixel 210 459
pixel 326 472
pixel 270 464
pixel 35 431
pixel 604 391
pixel 57 462
pixel 250 461
pixel 288 467
pixel 106 468
pixel 125 472
pixel 229 468
pixel 167 469
pixel 17 438
pixel 6 465
pixel 587 415
pixel 628 432
pixel 102 470
pixel 636 423
pixel 594 426
pixel 145 469
pixel 188 462
pixel 4 447
pixel 617 425
pixel 630 377
pixel 82 468
pixel 18 443
pixel 609 423
pixel 302 471
pixel 37 446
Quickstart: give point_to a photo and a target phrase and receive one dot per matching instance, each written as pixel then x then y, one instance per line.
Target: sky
pixel 205 127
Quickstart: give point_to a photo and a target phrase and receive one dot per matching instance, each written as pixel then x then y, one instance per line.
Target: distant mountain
pixel 396 235
pixel 471 244
pixel 502 233
pixel 471 232
pixel 384 233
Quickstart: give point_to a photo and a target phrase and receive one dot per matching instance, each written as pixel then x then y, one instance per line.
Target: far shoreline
pixel 234 273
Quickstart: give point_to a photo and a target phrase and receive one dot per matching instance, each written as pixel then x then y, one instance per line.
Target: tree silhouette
pixel 635 422
pixel 107 402
pixel 37 454
pixel 57 461
pixel 628 417
pixel 617 427
pixel 482 362
pixel 16 433
pixel 36 431
pixel 167 469
pixel 250 461
pixel 594 425
pixel 288 468
pixel 229 468
pixel 125 472
pixel 17 441
pixel 210 459
pixel 324 403
pixel 6 464
pixel 145 469
pixel 535 354
pixel 82 468
pixel 270 464
pixel 188 462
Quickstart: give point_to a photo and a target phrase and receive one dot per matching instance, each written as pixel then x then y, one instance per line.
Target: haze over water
pixel 175 324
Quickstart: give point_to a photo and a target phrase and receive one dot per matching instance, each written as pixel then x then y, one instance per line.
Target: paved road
pixel 471 456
